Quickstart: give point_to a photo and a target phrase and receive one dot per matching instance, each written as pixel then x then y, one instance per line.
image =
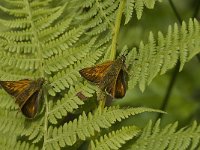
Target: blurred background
pixel 183 104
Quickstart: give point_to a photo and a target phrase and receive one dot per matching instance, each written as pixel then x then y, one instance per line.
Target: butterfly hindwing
pixel 96 73
pixel 117 88
pixel 121 85
pixel 30 107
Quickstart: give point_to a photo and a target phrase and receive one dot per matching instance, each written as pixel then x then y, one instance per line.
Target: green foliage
pixel 87 125
pixel 54 40
pixel 153 137
pixel 115 139
pixel 138 5
pixel 180 42
pixel 10 142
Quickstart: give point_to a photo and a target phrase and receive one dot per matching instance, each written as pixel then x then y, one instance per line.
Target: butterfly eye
pixel 123 58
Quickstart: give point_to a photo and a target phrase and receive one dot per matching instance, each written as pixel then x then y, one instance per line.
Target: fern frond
pixel 47 20
pixel 66 77
pixel 17 3
pixel 51 33
pixel 69 102
pixel 20 126
pixel 18 12
pixel 67 40
pixel 129 10
pixel 23 35
pixel 6 101
pixel 10 142
pixel 103 12
pixel 8 73
pixel 38 3
pixel 21 62
pixel 115 139
pixel 87 125
pixel 16 23
pixel 41 12
pixel 8 125
pixel 69 57
pixel 158 58
pixel 168 138
pixel 33 130
pixel 138 5
pixel 20 47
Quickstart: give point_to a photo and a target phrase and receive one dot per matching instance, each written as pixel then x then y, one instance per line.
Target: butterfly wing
pixel 30 107
pixel 14 88
pixel 121 85
pixel 22 90
pixel 96 73
pixel 34 85
pixel 117 88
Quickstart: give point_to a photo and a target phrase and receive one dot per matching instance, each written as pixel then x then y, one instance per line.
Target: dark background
pixel 183 104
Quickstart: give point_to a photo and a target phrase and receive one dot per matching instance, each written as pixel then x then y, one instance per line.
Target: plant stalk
pixel 169 89
pixel 165 101
pixel 116 29
pixel 45 120
pixel 115 34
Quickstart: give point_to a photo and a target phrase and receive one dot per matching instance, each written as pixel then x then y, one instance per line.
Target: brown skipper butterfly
pixel 110 76
pixel 27 94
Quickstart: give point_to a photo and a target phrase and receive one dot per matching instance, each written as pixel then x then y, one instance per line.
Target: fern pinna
pixel 54 40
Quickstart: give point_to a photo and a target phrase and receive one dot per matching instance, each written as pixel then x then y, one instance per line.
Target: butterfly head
pixel 40 81
pixel 123 58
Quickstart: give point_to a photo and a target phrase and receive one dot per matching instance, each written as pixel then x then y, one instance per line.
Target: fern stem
pixel 45 120
pixel 169 90
pixel 36 38
pixel 176 70
pixel 175 11
pixel 41 68
pixel 116 29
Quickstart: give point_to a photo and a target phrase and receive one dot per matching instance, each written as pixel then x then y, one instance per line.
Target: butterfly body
pixel 110 76
pixel 26 93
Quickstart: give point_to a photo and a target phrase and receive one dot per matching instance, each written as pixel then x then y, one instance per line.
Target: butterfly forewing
pixel 14 88
pixel 96 73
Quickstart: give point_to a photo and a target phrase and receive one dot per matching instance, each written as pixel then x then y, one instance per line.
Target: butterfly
pixel 26 93
pixel 110 76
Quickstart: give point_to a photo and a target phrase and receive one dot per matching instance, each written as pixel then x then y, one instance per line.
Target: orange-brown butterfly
pixel 110 76
pixel 27 94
